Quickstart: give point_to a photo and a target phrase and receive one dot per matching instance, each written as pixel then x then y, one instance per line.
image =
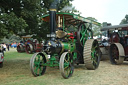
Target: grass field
pixel 16 71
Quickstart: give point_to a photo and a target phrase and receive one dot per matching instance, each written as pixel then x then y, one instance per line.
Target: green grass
pixel 16 71
pixel 10 55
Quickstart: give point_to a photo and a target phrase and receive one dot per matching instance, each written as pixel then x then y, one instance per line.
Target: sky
pixel 111 11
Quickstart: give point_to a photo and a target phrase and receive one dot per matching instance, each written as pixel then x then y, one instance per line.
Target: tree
pixel 10 23
pixel 125 20
pixel 11 39
pixel 70 9
pixel 60 6
pixel 23 17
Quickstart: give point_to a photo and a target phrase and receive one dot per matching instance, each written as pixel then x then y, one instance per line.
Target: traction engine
pixel 70 42
pixel 29 45
pixel 118 43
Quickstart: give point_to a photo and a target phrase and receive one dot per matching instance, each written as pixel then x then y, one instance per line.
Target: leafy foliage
pixel 70 9
pixel 11 23
pixel 23 17
pixel 60 6
pixel 11 39
pixel 125 20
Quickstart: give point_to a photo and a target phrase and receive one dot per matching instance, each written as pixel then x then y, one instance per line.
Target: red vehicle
pixel 29 45
pixel 33 46
pixel 117 43
pixel 21 45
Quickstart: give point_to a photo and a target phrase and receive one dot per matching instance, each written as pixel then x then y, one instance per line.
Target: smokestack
pixel 52 14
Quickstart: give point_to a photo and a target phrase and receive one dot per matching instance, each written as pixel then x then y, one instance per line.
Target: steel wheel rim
pixel 114 53
pixel 28 49
pixel 18 48
pixel 91 54
pixel 66 65
pixel 36 64
pixel 95 54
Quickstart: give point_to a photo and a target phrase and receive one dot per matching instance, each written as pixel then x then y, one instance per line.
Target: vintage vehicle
pixel 21 46
pixel 117 43
pixel 29 45
pixel 71 41
pixel 1 56
pixel 33 46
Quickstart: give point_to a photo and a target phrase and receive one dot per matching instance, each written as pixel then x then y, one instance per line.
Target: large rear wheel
pixel 66 65
pixel 115 52
pixel 36 64
pixel 91 54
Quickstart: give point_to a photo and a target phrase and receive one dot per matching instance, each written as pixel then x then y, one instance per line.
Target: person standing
pixel 4 46
pixel 7 46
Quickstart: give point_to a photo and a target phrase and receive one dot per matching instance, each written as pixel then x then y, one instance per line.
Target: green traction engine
pixel 71 42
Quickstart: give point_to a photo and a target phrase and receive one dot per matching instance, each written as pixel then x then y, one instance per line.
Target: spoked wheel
pixel 91 54
pixel 115 53
pixel 20 48
pixel 36 64
pixel 29 48
pixel 66 65
pixel 82 34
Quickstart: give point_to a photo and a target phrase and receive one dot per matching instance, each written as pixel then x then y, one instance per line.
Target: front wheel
pixel 66 65
pixel 37 64
pixel 20 48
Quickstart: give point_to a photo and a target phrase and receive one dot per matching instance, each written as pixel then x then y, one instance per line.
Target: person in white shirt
pixel 4 46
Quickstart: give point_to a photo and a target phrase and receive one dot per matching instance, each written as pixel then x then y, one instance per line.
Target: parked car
pixel 1 56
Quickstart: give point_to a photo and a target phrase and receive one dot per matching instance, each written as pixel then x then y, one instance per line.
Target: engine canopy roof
pixel 70 19
pixel 115 27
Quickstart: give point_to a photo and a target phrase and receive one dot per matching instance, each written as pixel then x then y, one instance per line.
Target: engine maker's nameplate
pixel 51 35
